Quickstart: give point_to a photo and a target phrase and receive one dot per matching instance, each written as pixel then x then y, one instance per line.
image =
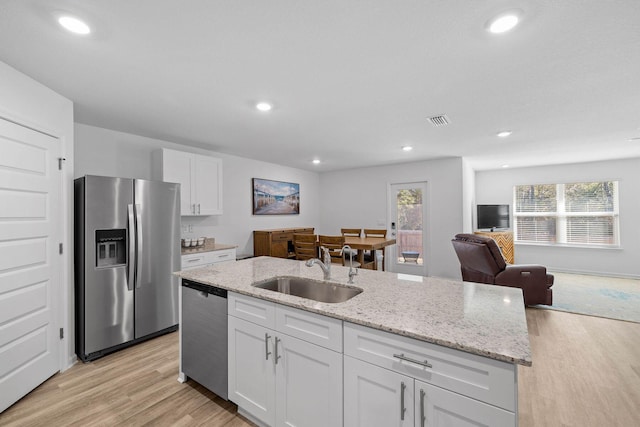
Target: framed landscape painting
pixel 275 197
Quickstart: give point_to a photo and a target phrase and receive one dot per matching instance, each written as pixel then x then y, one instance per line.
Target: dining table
pixel 373 244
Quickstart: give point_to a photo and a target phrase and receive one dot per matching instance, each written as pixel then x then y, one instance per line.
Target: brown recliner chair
pixel 481 261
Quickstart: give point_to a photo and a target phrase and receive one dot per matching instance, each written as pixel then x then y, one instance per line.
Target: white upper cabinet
pixel 200 179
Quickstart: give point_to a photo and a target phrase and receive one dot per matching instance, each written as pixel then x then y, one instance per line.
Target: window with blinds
pixel 583 213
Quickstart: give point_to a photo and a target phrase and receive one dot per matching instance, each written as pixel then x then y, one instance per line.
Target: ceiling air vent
pixel 440 120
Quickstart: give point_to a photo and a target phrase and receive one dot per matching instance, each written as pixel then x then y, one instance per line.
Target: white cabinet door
pixel 208 185
pixel 376 397
pixel 308 384
pixel 437 407
pixel 176 167
pixel 252 369
pixel 200 179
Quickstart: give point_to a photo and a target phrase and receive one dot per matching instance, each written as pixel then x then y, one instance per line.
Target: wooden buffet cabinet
pixel 277 242
pixel 504 239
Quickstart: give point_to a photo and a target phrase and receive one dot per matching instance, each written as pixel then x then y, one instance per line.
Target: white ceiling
pixel 352 81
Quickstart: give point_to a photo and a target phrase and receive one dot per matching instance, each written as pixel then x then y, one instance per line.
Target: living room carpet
pixel 610 297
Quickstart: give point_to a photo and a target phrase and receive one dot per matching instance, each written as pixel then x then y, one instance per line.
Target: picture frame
pixel 275 197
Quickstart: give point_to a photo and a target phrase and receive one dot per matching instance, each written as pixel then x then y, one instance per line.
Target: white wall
pixel 25 101
pixel 496 187
pixel 468 196
pixel 358 198
pixel 106 152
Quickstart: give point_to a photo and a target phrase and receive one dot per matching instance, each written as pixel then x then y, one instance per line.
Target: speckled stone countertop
pixel 209 245
pixel 481 319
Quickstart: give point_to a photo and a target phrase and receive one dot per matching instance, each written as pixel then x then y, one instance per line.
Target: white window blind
pixel 584 213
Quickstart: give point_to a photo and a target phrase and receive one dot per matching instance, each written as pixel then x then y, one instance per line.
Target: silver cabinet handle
pixel 401 356
pixel 277 356
pixel 402 408
pixel 195 260
pixel 198 208
pixel 422 417
pixel 266 346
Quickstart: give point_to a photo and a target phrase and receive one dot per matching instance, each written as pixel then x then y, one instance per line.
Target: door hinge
pixel 60 249
pixel 61 333
pixel 60 160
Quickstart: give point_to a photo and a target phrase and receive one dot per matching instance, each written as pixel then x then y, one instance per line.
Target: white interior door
pixel 30 264
pixel 408 220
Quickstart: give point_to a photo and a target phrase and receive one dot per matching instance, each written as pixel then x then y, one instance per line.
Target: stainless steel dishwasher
pixel 204 335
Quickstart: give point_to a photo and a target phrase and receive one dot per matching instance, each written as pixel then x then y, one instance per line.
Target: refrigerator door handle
pixel 131 264
pixel 139 245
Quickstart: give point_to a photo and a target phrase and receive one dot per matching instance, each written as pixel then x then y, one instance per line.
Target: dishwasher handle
pixel 207 289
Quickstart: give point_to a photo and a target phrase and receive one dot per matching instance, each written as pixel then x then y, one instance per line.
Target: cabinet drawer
pixel 311 327
pixel 222 255
pixel 481 378
pixel 252 309
pixel 279 237
pixel 192 261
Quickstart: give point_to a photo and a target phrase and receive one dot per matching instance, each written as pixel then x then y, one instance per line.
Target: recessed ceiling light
pixel 74 25
pixel 505 166
pixel 504 133
pixel 503 22
pixel 407 148
pixel 264 106
pixel 316 161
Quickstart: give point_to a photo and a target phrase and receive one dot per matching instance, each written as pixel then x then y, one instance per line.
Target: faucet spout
pixel 325 266
pixel 352 271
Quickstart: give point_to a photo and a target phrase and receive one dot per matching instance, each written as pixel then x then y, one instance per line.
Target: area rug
pixel 611 297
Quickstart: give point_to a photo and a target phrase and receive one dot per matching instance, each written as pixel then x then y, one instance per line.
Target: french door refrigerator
pixel 127 244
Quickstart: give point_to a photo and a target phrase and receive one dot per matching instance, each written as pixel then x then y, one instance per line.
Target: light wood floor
pixel 586 372
pixel 137 386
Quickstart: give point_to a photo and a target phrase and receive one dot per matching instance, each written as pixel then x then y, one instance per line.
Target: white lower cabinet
pixel 374 396
pixel 438 407
pixel 391 380
pixel 276 378
pixel 289 367
pixel 252 379
pixel 201 259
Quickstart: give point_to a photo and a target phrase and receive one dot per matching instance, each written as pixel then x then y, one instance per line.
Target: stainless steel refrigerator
pixel 127 244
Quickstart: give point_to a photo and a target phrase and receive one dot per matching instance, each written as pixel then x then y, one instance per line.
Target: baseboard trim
pixel 594 273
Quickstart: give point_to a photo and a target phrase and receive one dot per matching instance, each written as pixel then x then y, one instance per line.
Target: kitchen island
pixel 447 344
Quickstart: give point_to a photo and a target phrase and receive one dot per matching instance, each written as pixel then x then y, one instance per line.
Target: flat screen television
pixel 493 217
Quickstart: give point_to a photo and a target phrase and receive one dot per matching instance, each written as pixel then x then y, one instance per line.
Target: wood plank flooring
pixel 137 386
pixel 586 372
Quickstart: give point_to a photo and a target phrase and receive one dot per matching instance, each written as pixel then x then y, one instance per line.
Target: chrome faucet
pixel 325 266
pixel 352 271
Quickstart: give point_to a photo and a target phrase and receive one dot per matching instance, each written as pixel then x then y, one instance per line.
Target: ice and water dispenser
pixel 111 247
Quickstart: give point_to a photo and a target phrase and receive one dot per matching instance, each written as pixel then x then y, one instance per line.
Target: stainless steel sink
pixel 311 289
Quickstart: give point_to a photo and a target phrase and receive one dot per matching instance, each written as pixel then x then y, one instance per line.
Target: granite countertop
pixel 486 320
pixel 209 246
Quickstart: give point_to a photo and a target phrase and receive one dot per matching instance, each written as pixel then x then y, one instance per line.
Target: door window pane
pixel 409 226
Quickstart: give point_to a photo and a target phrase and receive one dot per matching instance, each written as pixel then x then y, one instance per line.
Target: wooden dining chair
pixel 334 244
pixel 305 246
pixel 352 232
pixel 370 232
pixel 374 232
